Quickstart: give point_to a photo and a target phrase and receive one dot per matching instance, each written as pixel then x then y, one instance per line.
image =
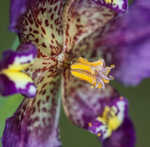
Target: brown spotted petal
pixel 82 22
pixel 82 104
pixel 89 109
pixel 41 24
pixel 35 123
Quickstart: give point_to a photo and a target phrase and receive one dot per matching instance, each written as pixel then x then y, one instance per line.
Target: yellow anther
pixel 84 76
pixel 98 134
pixel 106 81
pixel 81 66
pixel 108 1
pixel 90 124
pixel 85 61
pixel 94 73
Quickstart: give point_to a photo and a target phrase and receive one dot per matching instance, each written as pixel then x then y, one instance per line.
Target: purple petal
pixel 135 65
pixel 143 3
pixel 82 104
pixel 35 123
pixel 8 87
pixel 12 79
pixel 17 9
pixel 127 45
pixel 123 137
pixel 25 54
pixel 83 21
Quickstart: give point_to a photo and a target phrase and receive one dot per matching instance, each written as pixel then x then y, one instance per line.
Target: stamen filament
pixel 94 73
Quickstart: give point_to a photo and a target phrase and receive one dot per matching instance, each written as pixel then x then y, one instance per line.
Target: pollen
pixel 95 73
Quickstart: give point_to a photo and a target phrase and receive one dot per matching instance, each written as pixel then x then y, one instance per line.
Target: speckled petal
pixel 39 22
pixel 35 123
pixel 83 21
pixel 123 137
pixel 82 103
pixel 12 78
pixel 127 44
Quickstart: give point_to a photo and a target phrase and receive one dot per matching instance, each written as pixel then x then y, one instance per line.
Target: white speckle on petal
pixel 32 90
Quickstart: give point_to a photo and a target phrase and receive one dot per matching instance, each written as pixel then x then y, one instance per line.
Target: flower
pixel 65 35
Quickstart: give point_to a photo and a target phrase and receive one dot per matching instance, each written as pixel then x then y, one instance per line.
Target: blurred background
pixel 139 101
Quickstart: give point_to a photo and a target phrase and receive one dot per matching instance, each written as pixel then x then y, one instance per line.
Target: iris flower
pixel 70 37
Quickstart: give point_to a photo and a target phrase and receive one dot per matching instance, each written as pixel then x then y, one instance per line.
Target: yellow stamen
pixel 94 73
pixel 84 76
pixel 85 61
pixel 108 1
pixel 81 66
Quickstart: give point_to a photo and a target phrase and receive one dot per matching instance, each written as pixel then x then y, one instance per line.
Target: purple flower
pixel 66 35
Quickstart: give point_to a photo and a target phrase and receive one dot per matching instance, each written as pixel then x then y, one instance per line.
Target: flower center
pixel 94 73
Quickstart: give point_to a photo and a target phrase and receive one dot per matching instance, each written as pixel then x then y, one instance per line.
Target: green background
pixel 72 136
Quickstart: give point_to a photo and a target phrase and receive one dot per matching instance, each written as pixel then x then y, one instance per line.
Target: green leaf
pixel 8 106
